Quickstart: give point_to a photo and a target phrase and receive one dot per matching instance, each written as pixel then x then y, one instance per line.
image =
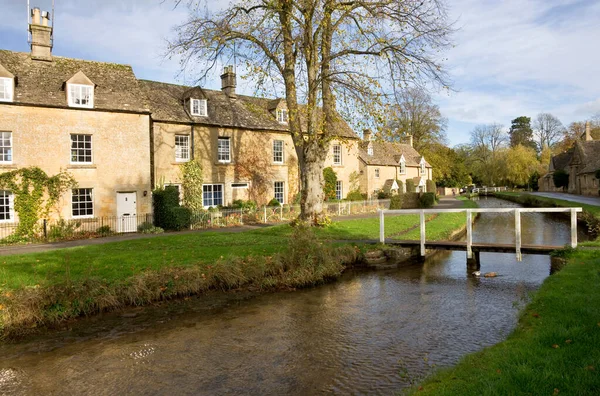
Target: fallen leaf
pixel 535 315
pixel 499 371
pixel 590 368
pixel 420 388
pixel 555 346
pixel 556 391
pixel 568 341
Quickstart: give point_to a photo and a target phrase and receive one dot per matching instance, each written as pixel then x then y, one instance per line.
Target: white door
pixel 126 212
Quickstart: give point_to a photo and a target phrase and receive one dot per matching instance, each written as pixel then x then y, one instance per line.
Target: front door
pixel 126 212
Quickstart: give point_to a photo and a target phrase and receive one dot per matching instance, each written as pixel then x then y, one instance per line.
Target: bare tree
pixel 547 130
pixel 325 53
pixel 418 116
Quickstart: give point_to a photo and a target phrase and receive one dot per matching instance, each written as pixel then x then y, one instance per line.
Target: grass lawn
pixel 554 350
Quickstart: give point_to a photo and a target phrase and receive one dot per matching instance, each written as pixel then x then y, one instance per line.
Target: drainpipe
pixel 192 153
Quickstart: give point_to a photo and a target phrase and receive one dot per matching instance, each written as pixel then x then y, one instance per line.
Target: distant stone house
pixel 382 163
pixel 581 163
pixel 240 140
pixel 86 117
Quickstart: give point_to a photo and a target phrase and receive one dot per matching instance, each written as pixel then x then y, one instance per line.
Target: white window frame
pixel 91 194
pixel 91 161
pixel 282 116
pixel 423 168
pixel 370 149
pixel 223 155
pixel 338 160
pixel 77 89
pixel 282 192
pixel 199 107
pixel 7 194
pixel 278 152
pixel 339 190
pixel 212 192
pixel 9 148
pixel 402 166
pixel 182 151
pixel 8 87
pixel 377 173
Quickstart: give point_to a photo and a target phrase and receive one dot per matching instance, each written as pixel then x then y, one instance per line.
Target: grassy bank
pixel 47 288
pixel 555 348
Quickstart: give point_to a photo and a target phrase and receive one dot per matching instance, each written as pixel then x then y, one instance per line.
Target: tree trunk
pixel 311 171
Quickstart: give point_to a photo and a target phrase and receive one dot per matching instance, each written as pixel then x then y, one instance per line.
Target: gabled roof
pixel 591 156
pixel 5 73
pixel 389 154
pixel 41 83
pixel 167 103
pixel 561 161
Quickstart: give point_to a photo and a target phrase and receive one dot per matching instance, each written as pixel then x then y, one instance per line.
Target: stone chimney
pixel 588 134
pixel 41 35
pixel 228 81
pixel 410 140
pixel 367 134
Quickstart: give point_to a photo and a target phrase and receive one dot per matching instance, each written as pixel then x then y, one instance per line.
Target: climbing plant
pixel 191 177
pixel 330 179
pixel 35 194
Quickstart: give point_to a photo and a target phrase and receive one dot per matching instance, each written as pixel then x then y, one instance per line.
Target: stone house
pixel 382 163
pixel 242 142
pixel 581 163
pixel 86 117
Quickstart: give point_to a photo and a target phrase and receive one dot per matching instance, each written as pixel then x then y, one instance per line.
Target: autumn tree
pixel 256 167
pixel 547 130
pixel 574 131
pixel 521 133
pixel 415 115
pixel 486 144
pixel 520 163
pixel 323 53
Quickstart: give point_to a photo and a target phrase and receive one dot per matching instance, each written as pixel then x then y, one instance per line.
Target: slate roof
pixel 388 154
pixel 167 103
pixel 42 83
pixel 562 161
pixel 591 152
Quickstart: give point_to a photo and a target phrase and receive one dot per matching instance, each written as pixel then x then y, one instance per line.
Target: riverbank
pixel 45 289
pixel 554 349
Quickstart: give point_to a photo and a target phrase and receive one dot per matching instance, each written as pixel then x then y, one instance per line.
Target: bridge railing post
pixel 381 227
pixel 422 227
pixel 469 234
pixel 518 234
pixel 573 228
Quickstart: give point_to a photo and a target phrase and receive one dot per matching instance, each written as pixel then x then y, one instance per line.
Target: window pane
pixel 5 147
pixel 81 148
pixel 5 209
pixel 279 191
pixel 82 202
pixel 223 150
pixel 278 151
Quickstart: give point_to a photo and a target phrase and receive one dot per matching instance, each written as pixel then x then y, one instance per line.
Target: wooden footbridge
pixel 473 249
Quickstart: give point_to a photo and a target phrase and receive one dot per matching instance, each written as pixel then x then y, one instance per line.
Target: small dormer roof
pixel 80 78
pixel 195 93
pixel 5 73
pixel 276 104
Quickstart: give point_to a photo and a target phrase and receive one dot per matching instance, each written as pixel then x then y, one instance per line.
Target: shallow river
pixel 369 333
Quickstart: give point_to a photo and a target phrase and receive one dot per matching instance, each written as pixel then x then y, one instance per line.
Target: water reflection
pixel 372 332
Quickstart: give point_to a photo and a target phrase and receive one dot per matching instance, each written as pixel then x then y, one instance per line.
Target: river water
pixel 369 333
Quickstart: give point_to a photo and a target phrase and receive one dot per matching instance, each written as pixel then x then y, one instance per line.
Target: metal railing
pixel 469 223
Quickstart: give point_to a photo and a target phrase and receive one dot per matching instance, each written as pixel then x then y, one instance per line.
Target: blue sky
pixel 510 58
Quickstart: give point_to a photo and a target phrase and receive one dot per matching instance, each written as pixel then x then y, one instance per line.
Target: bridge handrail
pixel 469 218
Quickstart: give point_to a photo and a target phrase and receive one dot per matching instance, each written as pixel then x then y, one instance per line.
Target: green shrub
pixel 430 184
pixel 274 202
pixel 145 226
pixel 180 218
pixel 356 195
pixel 410 200
pixel 400 186
pixel 382 195
pixel 396 201
pixel 104 230
pixel 62 229
pixel 164 200
pixel 426 200
pixel 410 186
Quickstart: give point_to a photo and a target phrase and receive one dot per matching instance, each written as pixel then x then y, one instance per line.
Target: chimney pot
pixel 367 134
pixel 588 132
pixel 41 35
pixel 228 81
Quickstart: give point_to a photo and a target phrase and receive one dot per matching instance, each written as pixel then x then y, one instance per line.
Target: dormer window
pixel 423 168
pixel 198 107
pixel 282 116
pixel 370 149
pixel 6 89
pixel 402 165
pixel 81 95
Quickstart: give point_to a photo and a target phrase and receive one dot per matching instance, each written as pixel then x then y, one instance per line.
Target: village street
pixel 570 197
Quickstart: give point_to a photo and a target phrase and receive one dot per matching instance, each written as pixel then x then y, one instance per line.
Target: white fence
pixel 469 222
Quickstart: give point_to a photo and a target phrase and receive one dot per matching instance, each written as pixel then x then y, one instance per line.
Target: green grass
pixel 555 347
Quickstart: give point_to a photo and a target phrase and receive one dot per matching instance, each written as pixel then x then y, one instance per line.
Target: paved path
pixel 445 203
pixel 570 197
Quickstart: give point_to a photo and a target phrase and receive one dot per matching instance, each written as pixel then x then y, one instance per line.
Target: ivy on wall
pixel 191 181
pixel 36 194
